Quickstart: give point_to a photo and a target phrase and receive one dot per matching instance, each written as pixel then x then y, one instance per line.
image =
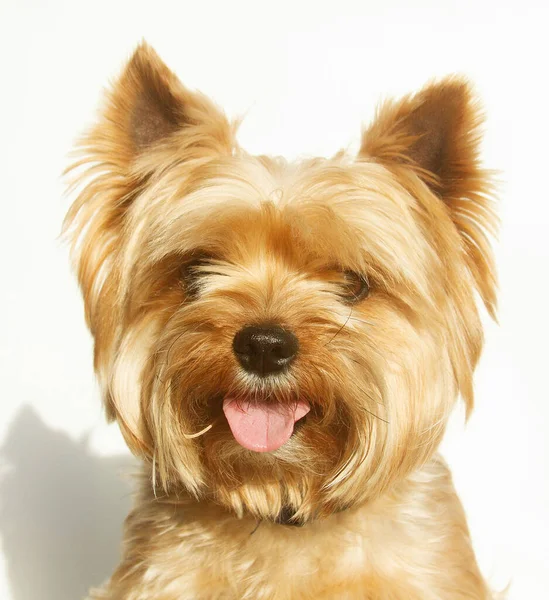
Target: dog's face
pixel 281 336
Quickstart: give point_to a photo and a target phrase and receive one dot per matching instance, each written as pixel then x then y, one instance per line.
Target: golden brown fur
pixel 161 182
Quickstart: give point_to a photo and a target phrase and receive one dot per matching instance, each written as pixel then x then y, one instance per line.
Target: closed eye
pixel 353 287
pixel 191 271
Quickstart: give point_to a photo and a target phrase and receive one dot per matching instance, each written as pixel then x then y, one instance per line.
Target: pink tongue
pixel 262 427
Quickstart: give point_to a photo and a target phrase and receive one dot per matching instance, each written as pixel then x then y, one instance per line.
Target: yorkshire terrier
pixel 282 343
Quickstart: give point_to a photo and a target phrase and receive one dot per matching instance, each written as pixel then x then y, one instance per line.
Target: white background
pixel 306 75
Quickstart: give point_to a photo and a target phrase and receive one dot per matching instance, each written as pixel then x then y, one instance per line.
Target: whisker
pixel 340 329
pixel 256 527
pixel 374 415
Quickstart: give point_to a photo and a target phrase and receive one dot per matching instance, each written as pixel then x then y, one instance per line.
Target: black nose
pixel 265 349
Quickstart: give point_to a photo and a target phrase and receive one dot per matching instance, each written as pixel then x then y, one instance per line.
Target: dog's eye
pixel 191 270
pixel 354 287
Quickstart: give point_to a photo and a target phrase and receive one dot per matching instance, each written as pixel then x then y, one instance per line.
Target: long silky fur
pixel 160 178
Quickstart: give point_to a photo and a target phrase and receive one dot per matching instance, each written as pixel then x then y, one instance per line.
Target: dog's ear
pixel 148 104
pixel 437 133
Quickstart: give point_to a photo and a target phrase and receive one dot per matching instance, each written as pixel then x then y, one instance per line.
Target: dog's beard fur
pixel 181 239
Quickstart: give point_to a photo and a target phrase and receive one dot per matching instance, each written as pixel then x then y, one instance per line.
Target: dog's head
pixel 277 335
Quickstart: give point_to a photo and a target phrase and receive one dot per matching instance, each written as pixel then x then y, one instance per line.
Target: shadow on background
pixel 61 511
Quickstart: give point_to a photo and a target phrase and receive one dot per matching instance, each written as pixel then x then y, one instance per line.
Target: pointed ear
pixel 437 134
pixel 436 130
pixel 148 104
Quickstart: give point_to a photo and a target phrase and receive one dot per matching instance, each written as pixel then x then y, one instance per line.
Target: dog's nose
pixel 266 349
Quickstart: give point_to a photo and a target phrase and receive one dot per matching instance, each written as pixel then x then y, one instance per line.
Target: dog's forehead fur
pixel 335 212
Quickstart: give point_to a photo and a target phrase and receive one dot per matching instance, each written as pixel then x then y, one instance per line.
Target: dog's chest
pixel 275 562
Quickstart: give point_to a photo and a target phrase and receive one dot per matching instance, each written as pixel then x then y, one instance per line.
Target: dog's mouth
pixel 261 426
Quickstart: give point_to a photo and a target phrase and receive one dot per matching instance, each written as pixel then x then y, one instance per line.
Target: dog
pixel 282 343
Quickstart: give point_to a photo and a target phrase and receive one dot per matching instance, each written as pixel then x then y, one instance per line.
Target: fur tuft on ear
pixel 437 133
pixel 151 99
pixel 148 104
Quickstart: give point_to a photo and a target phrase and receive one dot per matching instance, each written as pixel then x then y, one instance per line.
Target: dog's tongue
pixel 262 427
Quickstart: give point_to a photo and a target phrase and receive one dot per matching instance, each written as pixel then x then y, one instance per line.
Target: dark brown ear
pixel 148 104
pixel 152 98
pixel 437 133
